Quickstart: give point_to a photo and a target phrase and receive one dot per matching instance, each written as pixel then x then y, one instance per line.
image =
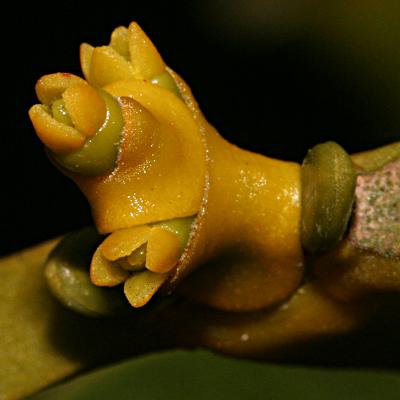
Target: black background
pixel 275 89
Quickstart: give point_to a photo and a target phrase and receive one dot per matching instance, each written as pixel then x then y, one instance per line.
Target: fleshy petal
pixel 123 242
pixel 141 286
pixel 85 54
pixel 144 55
pixel 51 87
pixel 108 66
pixel 104 272
pixel 86 108
pixel 55 135
pixel 119 41
pixel 163 250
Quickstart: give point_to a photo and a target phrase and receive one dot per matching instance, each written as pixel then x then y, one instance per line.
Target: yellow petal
pixel 140 287
pixel 119 41
pixel 163 250
pixel 144 55
pixel 86 108
pixel 57 136
pixel 108 66
pixel 51 87
pixel 123 242
pixel 104 272
pixel 85 54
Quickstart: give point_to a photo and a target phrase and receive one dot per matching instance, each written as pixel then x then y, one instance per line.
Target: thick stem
pixel 368 260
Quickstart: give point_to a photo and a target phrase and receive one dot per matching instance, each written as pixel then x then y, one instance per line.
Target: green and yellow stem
pixel 185 211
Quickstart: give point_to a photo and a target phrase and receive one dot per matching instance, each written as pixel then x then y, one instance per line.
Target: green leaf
pixel 202 375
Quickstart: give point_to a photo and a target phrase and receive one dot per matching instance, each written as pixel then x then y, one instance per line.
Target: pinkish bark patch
pixel 376 217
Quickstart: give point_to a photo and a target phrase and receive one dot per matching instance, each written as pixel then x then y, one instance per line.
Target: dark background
pixel 275 77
